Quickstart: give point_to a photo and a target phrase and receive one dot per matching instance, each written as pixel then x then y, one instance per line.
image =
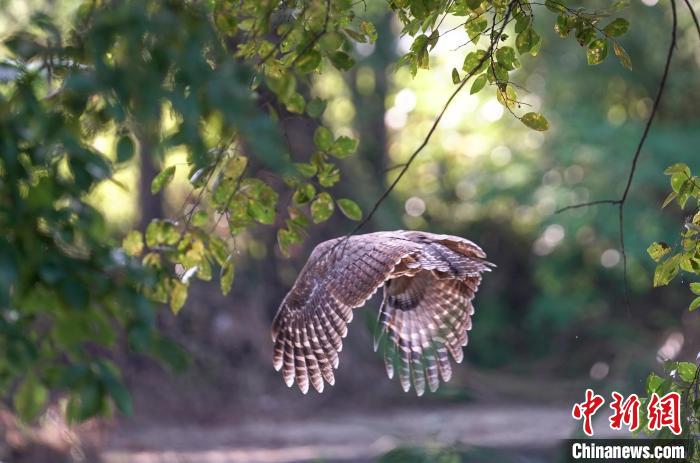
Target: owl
pixel 429 282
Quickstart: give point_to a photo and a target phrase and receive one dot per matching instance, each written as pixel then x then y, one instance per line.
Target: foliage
pixel 494 62
pixel 682 377
pixel 216 80
pixel 63 286
pixel 671 260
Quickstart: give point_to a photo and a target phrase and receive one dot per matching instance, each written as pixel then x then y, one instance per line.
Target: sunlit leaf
pixel 178 296
pixel 322 207
pixel 694 304
pixel 617 27
pixel 323 138
pixel 597 51
pixel 350 208
pixel 343 147
pixel 227 274
pixel 162 179
pixel 535 121
pixel 315 107
pixel 478 84
pixel 133 243
pixel 658 250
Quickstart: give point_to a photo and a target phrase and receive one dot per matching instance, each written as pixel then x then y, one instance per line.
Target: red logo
pixel 665 412
pixel 662 412
pixel 587 409
pixel 626 412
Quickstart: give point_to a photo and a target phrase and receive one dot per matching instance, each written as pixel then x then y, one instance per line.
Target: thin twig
pixel 633 168
pixel 591 203
pixel 692 13
pixel 429 135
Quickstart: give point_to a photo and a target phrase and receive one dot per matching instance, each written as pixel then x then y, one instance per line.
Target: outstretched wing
pixel 425 318
pixel 427 315
pixel 432 281
pixel 340 275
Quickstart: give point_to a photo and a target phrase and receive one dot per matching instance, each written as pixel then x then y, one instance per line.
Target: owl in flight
pixel 429 282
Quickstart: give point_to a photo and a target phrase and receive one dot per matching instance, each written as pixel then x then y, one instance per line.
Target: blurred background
pixel 550 321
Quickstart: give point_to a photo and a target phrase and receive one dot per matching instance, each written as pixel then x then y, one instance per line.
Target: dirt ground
pixel 525 433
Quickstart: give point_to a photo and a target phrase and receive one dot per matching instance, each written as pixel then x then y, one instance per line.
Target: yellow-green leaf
pixel 597 51
pixel 535 121
pixel 622 55
pixel 657 250
pixel 322 207
pixel 617 27
pixel 133 243
pixel 349 208
pixel 478 84
pixel 695 304
pixel 178 296
pixel 162 179
pixel 227 274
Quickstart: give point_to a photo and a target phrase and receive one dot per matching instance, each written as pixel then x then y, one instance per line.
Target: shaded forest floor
pixel 514 432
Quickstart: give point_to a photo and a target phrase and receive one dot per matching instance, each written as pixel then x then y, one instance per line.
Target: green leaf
pixel 671 196
pixel 507 97
pixel 133 243
pixel 597 51
pixel 125 149
pixel 162 179
pixel 554 6
pixel 235 166
pixel 666 271
pixel 350 208
pixel 475 27
pixel 654 383
pixel 178 296
pixel 226 276
pixel 306 169
pixel 295 103
pixel 695 304
pixel 678 168
pixel 161 232
pixel 309 61
pixel 342 61
pixel 475 62
pixel 323 138
pixel 369 30
pixel 527 40
pixel 304 193
pixel 455 76
pixel 30 398
pixel 478 84
pixel 328 175
pixel 657 250
pixel 686 371
pixel 343 147
pixel 322 208
pixel 506 57
pixel 315 107
pixel 535 121
pixel 695 288
pixel 617 27
pixel 200 218
pixel 287 238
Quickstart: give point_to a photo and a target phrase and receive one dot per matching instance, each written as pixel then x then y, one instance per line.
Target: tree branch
pixel 692 13
pixel 633 168
pixel 430 133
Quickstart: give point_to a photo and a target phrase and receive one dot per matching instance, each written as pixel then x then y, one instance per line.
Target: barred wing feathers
pixel 429 281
